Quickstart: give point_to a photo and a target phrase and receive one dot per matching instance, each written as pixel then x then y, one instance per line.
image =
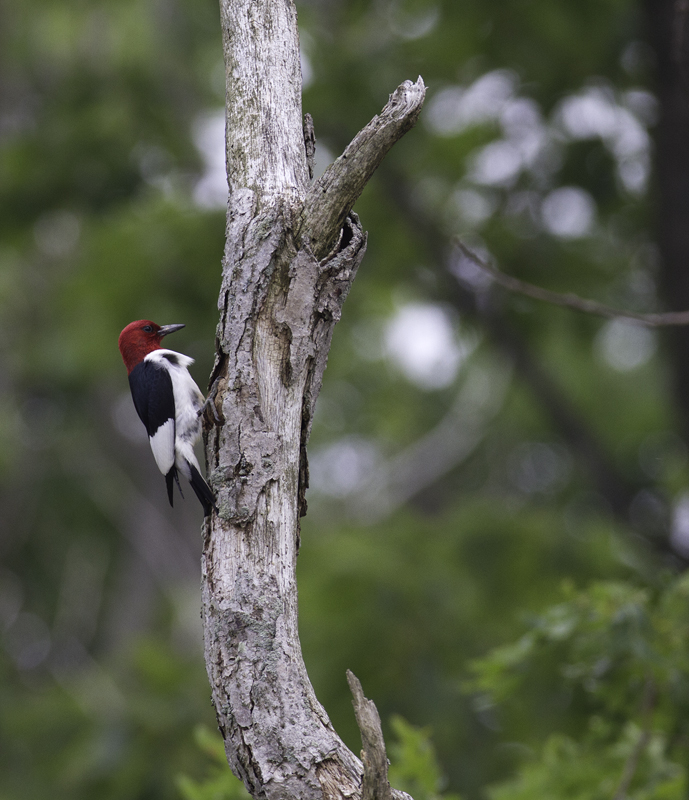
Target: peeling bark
pixel 292 252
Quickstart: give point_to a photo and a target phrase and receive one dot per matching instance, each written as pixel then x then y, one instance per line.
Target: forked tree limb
pixel 291 254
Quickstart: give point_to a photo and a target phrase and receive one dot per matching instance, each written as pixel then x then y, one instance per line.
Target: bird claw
pixel 210 403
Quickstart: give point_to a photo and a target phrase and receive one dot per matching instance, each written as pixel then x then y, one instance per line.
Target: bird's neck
pixel 133 353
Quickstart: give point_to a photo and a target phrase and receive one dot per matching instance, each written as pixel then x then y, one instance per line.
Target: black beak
pixel 165 329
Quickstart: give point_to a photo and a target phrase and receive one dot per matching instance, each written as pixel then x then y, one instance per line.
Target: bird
pixel 168 402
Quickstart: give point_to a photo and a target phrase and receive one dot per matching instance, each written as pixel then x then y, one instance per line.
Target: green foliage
pixel 414 766
pixel 108 730
pixel 220 784
pixel 623 650
pixel 593 768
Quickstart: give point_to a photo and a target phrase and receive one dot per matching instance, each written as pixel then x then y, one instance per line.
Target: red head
pixel 140 338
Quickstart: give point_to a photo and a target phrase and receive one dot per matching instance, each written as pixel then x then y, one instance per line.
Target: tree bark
pixel 292 252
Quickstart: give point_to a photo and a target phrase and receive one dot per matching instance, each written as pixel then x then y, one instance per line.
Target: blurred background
pixel 476 457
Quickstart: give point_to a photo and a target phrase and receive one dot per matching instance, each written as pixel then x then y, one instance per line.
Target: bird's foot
pixel 210 403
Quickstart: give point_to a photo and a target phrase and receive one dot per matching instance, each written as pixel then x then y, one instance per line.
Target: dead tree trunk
pixel 293 248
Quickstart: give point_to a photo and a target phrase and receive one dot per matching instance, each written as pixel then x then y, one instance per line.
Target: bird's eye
pixel 148 328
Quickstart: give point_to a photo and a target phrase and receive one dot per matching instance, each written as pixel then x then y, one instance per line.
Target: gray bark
pixel 375 785
pixel 292 251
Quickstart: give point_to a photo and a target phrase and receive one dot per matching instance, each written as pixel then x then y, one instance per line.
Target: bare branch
pixel 572 300
pixel 375 759
pixel 332 196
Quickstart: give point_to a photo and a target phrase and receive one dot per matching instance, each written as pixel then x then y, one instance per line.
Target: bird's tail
pixel 170 483
pixel 202 490
pixel 170 479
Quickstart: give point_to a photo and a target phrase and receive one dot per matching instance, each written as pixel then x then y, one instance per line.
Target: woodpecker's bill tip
pixel 165 329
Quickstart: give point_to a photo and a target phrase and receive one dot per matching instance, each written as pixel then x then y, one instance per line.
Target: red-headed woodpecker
pixel 168 403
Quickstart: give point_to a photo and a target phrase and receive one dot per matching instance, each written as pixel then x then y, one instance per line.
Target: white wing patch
pixel 163 446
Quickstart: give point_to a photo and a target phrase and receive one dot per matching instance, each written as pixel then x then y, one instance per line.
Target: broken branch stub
pixel 373 755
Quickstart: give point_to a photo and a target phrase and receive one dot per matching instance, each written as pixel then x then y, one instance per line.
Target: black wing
pixel 154 400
